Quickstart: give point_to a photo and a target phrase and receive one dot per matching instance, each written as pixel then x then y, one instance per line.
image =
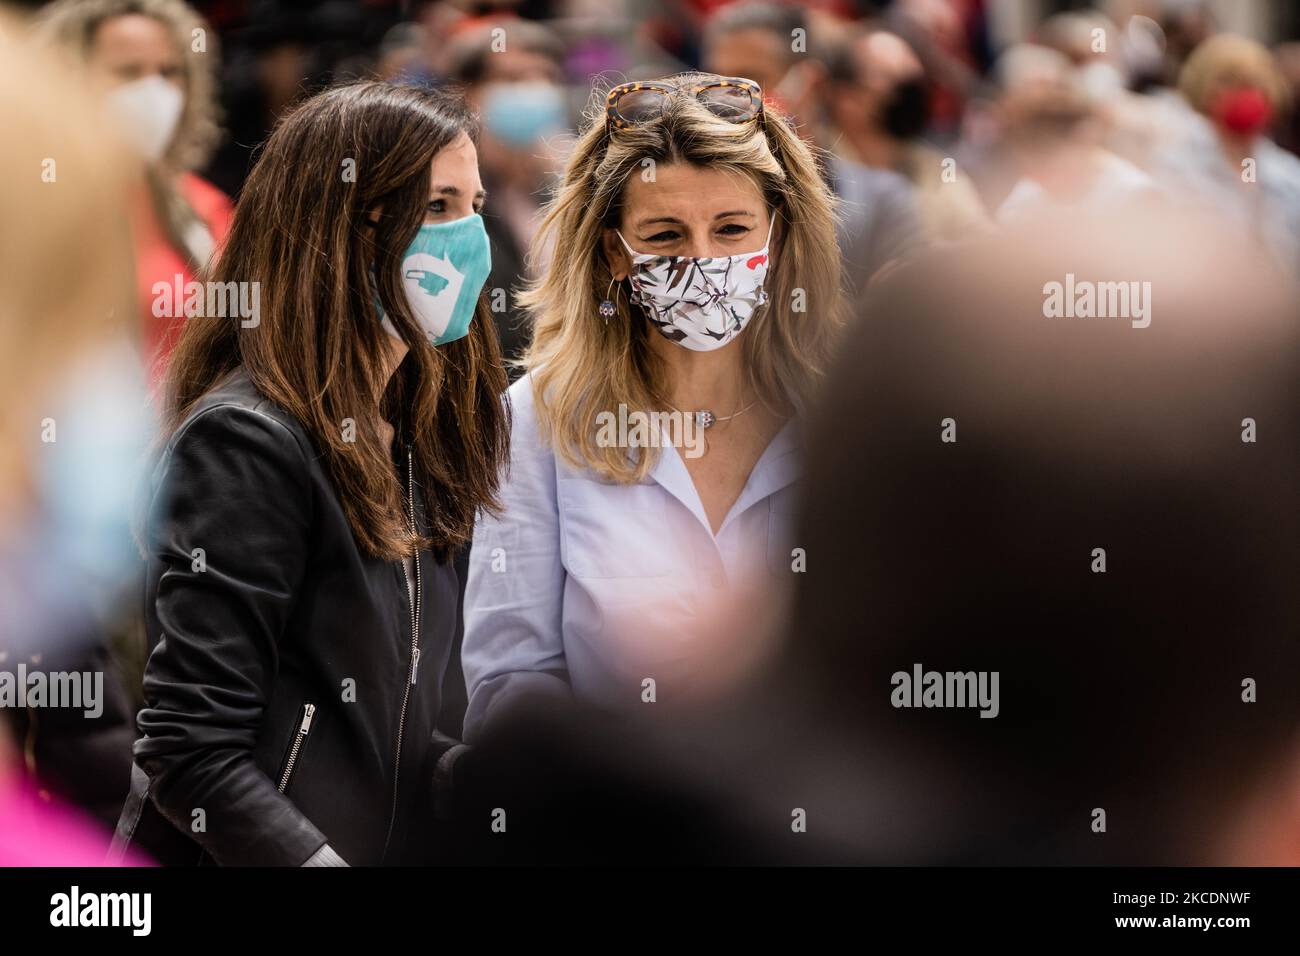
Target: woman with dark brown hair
pixel 327 452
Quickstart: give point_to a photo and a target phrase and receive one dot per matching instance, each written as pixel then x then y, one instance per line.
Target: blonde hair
pixel 1229 59
pixel 73 23
pixel 582 365
pixel 66 281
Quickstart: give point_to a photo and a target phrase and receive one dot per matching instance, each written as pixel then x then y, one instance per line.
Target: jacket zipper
pixel 415 646
pixel 307 711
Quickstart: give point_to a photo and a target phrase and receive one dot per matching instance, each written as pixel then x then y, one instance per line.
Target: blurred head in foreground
pixel 1100 510
pixel 73 426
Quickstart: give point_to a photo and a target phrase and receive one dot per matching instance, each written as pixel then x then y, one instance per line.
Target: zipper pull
pixel 307 713
pixel 415 664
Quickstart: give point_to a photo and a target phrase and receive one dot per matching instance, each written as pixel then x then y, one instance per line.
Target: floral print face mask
pixel 699 303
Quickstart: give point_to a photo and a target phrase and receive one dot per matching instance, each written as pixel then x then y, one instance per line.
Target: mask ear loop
pixel 630 251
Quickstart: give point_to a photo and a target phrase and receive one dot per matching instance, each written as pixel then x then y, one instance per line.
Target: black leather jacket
pixel 287 702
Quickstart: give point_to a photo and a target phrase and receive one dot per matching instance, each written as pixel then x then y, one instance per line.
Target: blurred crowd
pixel 933 130
pixel 930 131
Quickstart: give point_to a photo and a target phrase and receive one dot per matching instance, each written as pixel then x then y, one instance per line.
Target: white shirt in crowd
pixel 1117 182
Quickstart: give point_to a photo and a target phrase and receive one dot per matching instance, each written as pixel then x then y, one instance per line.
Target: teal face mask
pixel 443 272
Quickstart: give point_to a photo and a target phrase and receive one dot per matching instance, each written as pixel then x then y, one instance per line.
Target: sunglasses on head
pixel 731 98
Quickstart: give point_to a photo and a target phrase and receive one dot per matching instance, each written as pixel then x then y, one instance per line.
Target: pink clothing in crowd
pixel 35 831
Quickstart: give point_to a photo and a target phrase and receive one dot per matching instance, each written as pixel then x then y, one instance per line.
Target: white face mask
pixel 147 112
pixel 699 303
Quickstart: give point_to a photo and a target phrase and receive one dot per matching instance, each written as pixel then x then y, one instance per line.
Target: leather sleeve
pixel 234 484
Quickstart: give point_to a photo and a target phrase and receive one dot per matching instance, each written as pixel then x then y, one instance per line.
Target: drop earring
pixel 607 309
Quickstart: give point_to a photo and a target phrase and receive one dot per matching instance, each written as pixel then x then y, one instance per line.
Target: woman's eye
pixel 437 207
pixel 667 235
pixel 733 229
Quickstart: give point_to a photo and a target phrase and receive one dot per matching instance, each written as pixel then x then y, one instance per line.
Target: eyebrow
pixel 454 191
pixel 675 221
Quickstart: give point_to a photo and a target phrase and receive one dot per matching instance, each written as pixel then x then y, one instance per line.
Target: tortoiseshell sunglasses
pixel 731 98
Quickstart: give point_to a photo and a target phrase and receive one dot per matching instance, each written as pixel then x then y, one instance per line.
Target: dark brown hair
pixel 301 231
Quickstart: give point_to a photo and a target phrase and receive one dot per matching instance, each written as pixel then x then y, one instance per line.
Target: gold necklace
pixel 704 418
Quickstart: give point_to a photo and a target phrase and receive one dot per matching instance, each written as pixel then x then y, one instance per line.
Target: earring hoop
pixel 607 310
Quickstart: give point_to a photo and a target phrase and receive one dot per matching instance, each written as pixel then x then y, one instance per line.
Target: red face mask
pixel 1243 110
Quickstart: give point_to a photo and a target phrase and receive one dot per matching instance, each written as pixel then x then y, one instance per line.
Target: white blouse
pixel 588 587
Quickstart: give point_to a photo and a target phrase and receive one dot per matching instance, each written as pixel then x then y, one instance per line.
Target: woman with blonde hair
pixel 691 304
pixel 155 62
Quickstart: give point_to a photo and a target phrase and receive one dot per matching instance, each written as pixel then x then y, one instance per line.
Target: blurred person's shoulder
pixel 1189 149
pixel 1025 197
pixel 1123 172
pixel 855 182
pixel 923 165
pixel 933 173
pixel 1279 167
pixel 1120 179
